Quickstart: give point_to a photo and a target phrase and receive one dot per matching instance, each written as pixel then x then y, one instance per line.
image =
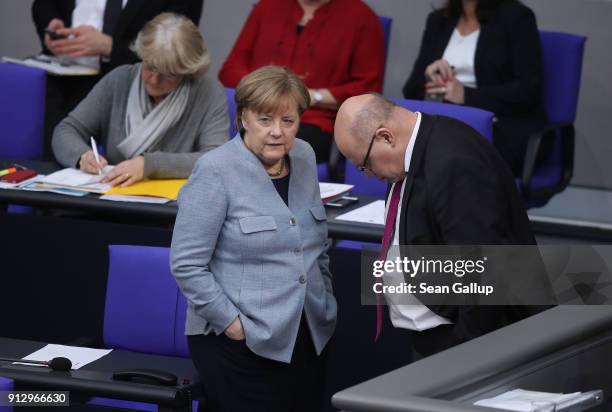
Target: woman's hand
pixel 439 72
pixel 235 331
pixel 126 173
pixel 455 92
pixel 88 163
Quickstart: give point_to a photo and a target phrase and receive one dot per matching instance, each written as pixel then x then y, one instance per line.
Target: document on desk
pixel 331 190
pixel 77 355
pixel 165 188
pixel 75 179
pixel 373 213
pixel 527 401
pixel 53 65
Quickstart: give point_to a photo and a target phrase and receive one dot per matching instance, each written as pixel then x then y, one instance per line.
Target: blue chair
pixel 22 111
pixel 479 119
pixel 231 107
pixel 562 56
pixel 6 385
pixel 22 115
pixel 142 312
pixel 141 299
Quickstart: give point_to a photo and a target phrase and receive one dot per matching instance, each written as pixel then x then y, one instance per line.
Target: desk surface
pixel 162 214
pixel 95 379
pixel 438 382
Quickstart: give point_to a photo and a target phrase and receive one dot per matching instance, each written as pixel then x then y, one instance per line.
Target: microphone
pixel 56 364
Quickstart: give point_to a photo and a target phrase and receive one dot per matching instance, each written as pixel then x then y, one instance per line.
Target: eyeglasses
pixel 166 77
pixel 364 165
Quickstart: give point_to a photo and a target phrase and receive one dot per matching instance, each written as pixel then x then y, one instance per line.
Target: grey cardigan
pixel 239 250
pixel 202 127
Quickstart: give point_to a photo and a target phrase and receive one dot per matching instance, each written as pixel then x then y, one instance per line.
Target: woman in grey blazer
pixel 154 119
pixel 249 253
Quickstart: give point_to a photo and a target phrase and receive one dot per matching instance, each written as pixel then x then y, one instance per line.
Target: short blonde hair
pixel 265 89
pixel 171 44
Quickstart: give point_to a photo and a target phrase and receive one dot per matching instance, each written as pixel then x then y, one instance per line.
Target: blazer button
pixel 292 221
pixel 297 250
pixel 302 279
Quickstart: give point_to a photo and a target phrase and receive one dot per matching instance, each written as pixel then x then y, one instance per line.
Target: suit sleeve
pixel 202 211
pixel 526 59
pixel 470 207
pixel 237 64
pixel 71 136
pixel 368 61
pixel 43 11
pixel 414 88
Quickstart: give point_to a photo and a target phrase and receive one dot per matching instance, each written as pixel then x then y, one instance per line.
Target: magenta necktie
pixel 386 243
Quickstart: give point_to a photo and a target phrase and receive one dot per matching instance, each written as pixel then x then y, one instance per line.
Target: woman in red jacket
pixel 335 46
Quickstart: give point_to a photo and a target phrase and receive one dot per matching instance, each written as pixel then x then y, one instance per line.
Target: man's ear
pixel 386 135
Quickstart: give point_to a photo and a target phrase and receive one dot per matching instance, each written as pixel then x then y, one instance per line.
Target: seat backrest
pixel 180 340
pixel 479 119
pixel 22 111
pixel 231 107
pixel 562 55
pixel 6 385
pixel 141 300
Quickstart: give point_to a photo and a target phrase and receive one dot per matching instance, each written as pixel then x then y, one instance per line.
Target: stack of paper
pixel 75 180
pixel 332 190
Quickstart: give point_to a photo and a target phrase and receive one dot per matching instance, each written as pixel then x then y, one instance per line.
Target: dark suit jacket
pixel 508 68
pixel 459 191
pixel 133 17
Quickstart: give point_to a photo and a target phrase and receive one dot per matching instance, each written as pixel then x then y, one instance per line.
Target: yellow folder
pixel 166 188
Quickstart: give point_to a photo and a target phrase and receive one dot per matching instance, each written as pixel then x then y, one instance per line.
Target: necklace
pixel 280 170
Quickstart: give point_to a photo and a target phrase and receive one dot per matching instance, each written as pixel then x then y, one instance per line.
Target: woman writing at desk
pixel 155 118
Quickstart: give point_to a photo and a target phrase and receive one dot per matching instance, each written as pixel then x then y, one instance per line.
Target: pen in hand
pixel 94 147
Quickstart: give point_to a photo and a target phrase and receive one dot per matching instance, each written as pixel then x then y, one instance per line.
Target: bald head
pixel 358 118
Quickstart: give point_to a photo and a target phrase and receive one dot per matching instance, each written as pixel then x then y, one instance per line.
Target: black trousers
pixel 236 379
pixel 63 94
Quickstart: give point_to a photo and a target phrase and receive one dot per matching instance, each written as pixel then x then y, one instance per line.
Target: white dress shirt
pixel 459 53
pixel 406 311
pixel 90 13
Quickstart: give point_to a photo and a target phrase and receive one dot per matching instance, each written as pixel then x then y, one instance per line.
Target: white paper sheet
pixel 371 213
pixel 331 190
pixel 136 199
pixel 77 355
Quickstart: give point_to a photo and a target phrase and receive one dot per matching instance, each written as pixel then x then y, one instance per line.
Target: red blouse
pixel 341 49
